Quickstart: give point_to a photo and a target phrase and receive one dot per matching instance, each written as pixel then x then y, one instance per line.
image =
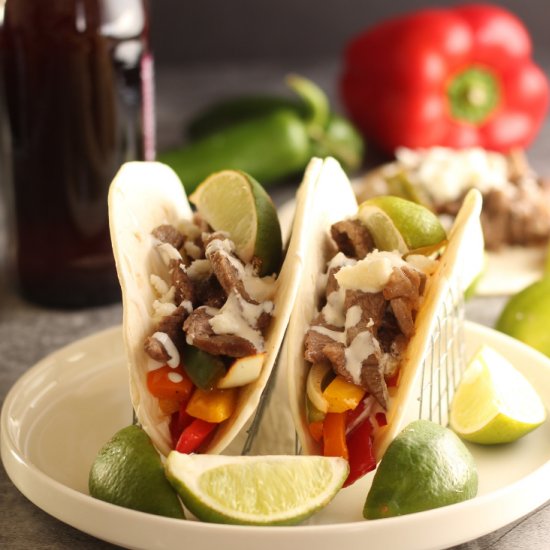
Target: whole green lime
pixel 128 472
pixel 526 316
pixel 426 466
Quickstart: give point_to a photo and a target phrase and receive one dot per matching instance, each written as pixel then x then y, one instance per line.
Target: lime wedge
pixel 399 224
pixel 128 471
pixel 255 490
pixel 494 402
pixel 235 202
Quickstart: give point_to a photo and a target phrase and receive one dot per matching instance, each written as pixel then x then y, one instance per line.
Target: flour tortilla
pixel 142 196
pixel 334 200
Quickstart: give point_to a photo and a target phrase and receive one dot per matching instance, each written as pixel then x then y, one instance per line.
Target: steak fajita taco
pixel 363 316
pixel 202 320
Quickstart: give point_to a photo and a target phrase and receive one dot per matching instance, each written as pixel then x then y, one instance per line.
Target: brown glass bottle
pixel 76 98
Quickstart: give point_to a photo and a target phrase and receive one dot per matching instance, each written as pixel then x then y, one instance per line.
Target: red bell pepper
pixel 361 453
pixel 457 77
pixel 194 435
pixel 179 421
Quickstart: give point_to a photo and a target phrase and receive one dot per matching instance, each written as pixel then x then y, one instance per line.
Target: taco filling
pixel 211 313
pixel 356 343
pixel 516 201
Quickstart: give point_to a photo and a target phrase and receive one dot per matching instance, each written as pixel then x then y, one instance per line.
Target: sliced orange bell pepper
pixel 316 430
pixel 170 384
pixel 212 405
pixel 334 435
pixel 342 395
pixel 169 406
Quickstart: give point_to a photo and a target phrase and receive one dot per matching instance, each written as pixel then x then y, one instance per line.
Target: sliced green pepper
pixel 203 369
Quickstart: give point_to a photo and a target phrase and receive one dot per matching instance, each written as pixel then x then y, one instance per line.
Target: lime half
pixel 399 224
pixel 255 490
pixel 494 402
pixel 235 202
pixel 526 316
pixel 128 471
pixel 426 466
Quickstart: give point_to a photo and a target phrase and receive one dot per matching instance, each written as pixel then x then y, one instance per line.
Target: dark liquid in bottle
pixel 73 94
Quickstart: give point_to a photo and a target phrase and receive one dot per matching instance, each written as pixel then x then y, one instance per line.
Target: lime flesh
pixel 128 472
pixel 255 490
pixel 400 224
pixel 494 402
pixel 235 202
pixel 426 466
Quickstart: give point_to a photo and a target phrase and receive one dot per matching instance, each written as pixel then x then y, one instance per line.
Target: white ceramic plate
pixel 61 411
pixel 506 272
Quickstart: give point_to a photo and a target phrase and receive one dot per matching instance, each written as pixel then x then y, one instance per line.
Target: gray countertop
pixel 23 525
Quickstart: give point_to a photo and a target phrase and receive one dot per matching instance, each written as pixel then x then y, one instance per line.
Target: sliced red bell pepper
pixel 194 435
pixel 353 414
pixel 361 452
pixel 456 77
pixel 168 383
pixel 381 419
pixel 178 422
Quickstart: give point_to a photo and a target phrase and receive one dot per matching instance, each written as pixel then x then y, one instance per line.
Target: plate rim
pixel 34 484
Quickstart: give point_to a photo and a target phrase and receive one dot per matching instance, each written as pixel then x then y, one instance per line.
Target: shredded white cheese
pixel 446 174
pixel 199 269
pixel 168 252
pixel 371 274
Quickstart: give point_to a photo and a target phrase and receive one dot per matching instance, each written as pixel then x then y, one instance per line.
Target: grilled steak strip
pixel 201 335
pixel 352 238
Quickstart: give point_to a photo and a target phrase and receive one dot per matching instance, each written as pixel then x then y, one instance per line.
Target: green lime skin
pixel 526 316
pixel 426 466
pixel 128 472
pixel 269 243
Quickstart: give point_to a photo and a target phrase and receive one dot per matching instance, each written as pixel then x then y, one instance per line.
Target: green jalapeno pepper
pixel 270 137
pixel 269 147
pixel 234 110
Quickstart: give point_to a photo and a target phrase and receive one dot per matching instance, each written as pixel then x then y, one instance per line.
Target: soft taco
pixel 362 322
pixel 201 327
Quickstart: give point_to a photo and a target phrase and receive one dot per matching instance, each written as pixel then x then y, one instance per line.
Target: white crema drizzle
pixel 230 319
pixel 170 348
pixel 371 274
pixel 258 288
pixel 363 345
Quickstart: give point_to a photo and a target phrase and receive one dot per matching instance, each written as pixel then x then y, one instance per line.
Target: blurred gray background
pixel 213 31
pixel 250 45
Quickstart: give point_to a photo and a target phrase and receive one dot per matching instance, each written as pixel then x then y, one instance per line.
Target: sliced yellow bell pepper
pixel 212 405
pixel 342 395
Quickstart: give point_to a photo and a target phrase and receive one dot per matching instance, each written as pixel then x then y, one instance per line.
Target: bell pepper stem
pixel 473 95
